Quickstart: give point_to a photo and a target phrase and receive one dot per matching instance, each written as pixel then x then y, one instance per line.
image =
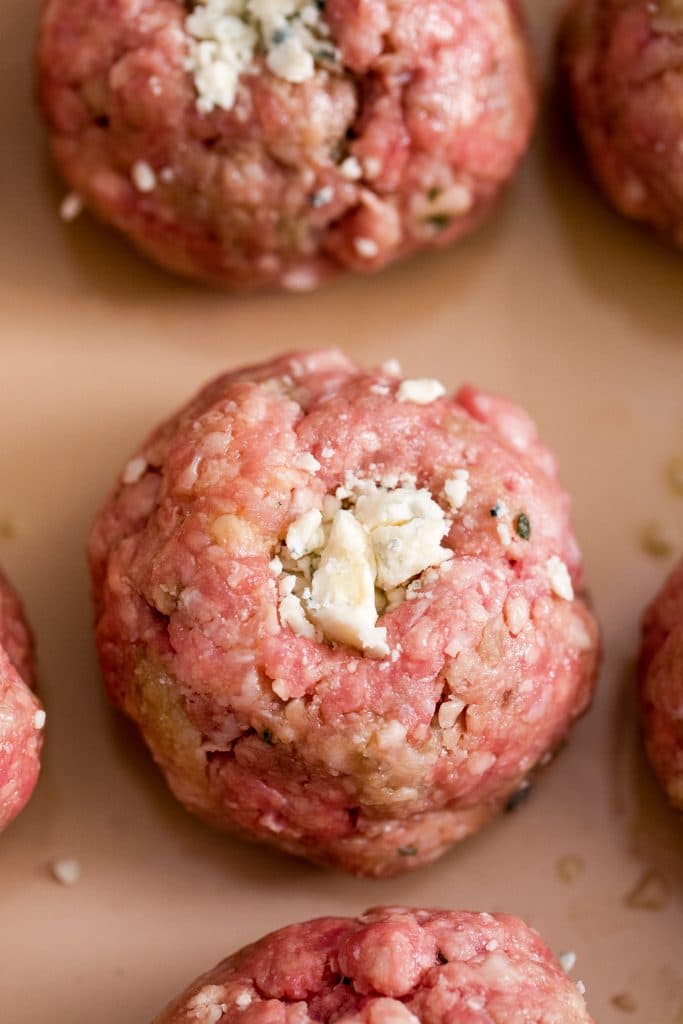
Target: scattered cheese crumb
pixel 560 580
pixel 457 489
pixel 307 462
pixel 243 1000
pixel 143 176
pixel 421 390
pixel 581 987
pixel 71 206
pixel 567 961
pixel 66 870
pixel 504 535
pixel 391 367
pixel 327 452
pixel 351 169
pixel 366 247
pixel 134 470
pixel 39 719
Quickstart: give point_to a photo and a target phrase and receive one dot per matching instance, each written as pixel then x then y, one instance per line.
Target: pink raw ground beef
pixel 390 966
pixel 623 61
pixel 21 716
pixel 374 762
pixel 661 685
pixel 433 101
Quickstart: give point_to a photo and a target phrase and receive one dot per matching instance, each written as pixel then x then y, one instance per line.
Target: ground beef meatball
pixel 344 609
pixel 390 966
pixel 623 61
pixel 661 685
pixel 21 716
pixel 250 142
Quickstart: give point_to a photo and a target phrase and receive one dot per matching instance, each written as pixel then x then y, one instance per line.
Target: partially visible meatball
pixel 288 140
pixel 21 715
pixel 661 685
pixel 623 61
pixel 391 965
pixel 344 609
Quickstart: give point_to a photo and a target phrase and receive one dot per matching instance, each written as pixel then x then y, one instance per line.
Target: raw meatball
pixel 344 610
pixel 390 966
pixel 288 139
pixel 661 685
pixel 21 716
pixel 623 60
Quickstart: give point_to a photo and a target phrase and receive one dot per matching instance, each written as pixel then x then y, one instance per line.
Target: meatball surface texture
pixel 623 63
pixel 343 608
pixel 392 965
pixel 21 716
pixel 661 685
pixel 278 142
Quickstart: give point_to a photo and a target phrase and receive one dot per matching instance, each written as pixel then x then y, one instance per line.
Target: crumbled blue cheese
pixel 39 719
pixel 225 37
pixel 305 534
pixel 567 961
pixel 143 176
pixel 560 580
pixel 354 559
pixel 343 588
pixel 70 207
pixel 307 462
pixel 457 489
pixel 421 391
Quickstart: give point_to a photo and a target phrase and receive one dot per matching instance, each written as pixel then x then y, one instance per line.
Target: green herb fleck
pixel 407 851
pixel 439 221
pixel 523 526
pixel 267 737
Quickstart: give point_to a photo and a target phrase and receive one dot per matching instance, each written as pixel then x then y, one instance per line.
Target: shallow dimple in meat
pixel 390 966
pixel 623 64
pixel 661 685
pixel 404 142
pixel 373 760
pixel 21 716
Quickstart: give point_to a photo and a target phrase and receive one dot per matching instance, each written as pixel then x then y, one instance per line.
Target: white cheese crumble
pixel 457 489
pixel 71 206
pixel 39 719
pixel 567 961
pixel 391 367
pixel 560 580
pixel 66 870
pixel 143 176
pixel 366 247
pixel 243 1000
pixel 134 470
pixel 421 390
pixel 225 36
pixel 351 168
pixel 343 566
pixel 305 534
pixel 307 462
